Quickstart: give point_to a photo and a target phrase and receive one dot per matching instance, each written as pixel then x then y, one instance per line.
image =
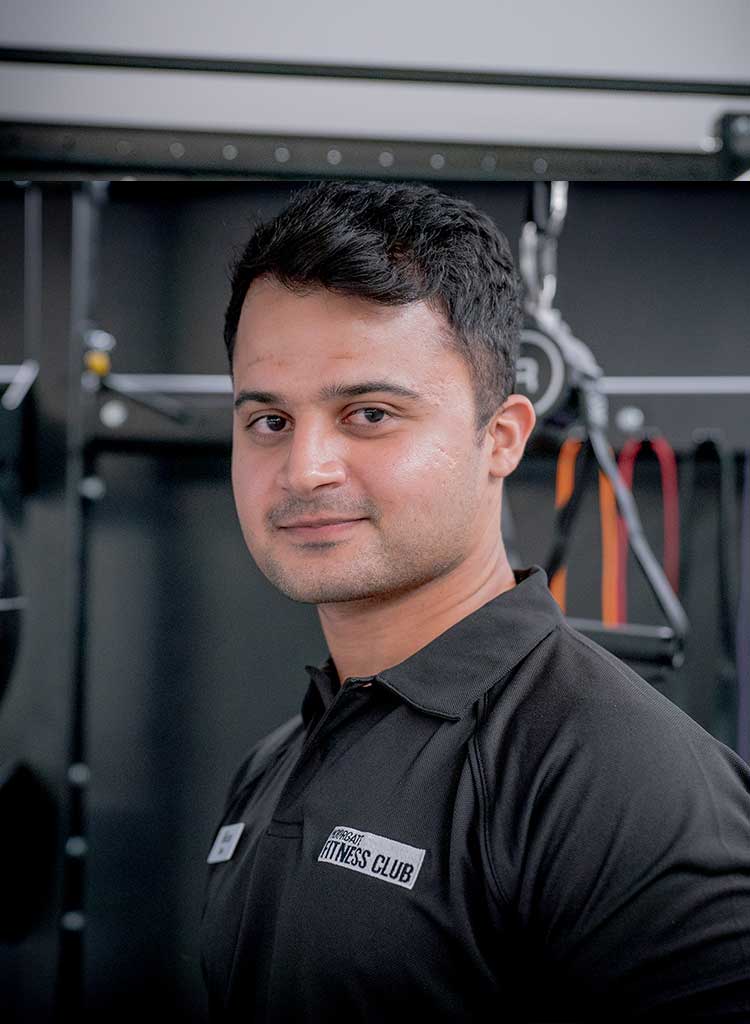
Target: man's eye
pixel 271 421
pixel 379 412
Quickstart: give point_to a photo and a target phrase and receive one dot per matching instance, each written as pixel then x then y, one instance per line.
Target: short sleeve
pixel 620 834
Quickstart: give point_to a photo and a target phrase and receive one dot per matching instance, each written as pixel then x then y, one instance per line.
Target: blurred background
pixel 141 651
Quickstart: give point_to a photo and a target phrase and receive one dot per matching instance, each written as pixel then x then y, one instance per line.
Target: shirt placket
pixel 312 754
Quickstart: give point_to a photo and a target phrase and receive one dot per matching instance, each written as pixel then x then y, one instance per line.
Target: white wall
pixel 694 39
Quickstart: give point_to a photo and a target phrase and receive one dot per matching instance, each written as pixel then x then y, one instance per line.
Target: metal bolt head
pixel 113 414
pixel 100 340
pixel 630 419
pixel 79 774
pixel 76 846
pixel 92 487
pixel 73 921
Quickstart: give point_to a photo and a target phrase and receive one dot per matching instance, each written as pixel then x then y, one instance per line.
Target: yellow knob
pixel 98 362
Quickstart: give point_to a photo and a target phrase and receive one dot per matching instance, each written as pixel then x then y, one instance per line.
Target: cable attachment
pixel 548 206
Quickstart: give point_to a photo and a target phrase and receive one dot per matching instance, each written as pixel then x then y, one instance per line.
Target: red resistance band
pixel 670 505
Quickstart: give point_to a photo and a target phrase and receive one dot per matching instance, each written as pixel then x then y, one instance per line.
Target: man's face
pixel 408 469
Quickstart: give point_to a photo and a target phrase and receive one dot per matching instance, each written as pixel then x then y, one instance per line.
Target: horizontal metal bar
pixel 731 385
pixel 80 151
pixel 446 76
pixel 627 629
pixel 170 383
pixel 221 384
pixel 656 645
pixel 217 384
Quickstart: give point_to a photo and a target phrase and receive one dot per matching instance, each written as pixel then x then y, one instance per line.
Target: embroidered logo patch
pixel 373 855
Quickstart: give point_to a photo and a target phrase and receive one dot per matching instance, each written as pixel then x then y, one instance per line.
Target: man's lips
pixel 319 521
pixel 329 528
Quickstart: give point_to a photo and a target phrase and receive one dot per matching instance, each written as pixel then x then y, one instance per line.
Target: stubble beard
pixel 320 580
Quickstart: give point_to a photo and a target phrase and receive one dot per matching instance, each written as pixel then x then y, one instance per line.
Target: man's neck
pixel 367 637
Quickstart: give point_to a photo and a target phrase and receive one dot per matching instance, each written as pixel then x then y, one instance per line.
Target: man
pixel 479 814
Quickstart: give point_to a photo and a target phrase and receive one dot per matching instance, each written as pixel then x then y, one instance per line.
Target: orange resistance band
pixel 564 482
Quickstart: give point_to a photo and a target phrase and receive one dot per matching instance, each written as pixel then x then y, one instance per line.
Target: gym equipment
pixel 581 399
pixel 564 487
pixel 670 503
pixel 123 149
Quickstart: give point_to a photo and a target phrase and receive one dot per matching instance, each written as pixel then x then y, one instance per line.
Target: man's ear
pixel 507 432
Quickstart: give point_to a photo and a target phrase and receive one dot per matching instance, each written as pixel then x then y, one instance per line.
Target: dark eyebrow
pixel 329 392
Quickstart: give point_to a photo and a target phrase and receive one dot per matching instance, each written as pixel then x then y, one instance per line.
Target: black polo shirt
pixel 509 825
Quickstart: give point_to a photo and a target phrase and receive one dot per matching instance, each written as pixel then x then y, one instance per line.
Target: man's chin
pixel 314 591
pixel 325 591
pixel 358 591
pixel 325 595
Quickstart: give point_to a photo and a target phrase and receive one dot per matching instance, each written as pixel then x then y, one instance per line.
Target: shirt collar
pixel 451 672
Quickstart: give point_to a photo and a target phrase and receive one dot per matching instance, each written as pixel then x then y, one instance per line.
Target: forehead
pixel 283 334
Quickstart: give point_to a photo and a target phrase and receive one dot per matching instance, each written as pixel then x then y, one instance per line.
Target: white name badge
pixel 225 843
pixel 377 856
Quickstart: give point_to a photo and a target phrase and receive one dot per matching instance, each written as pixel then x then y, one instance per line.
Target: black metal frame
pixel 79 151
pixel 83 150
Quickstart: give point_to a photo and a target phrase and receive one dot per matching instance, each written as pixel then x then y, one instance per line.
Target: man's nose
pixel 315 457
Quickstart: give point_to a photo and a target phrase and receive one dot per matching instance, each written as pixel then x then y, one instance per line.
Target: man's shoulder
pixel 608 814
pixel 571 695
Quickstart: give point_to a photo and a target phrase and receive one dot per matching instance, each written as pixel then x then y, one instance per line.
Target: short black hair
pixel 396 243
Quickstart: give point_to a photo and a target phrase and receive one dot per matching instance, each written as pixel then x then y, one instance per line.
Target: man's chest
pixel 359 862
